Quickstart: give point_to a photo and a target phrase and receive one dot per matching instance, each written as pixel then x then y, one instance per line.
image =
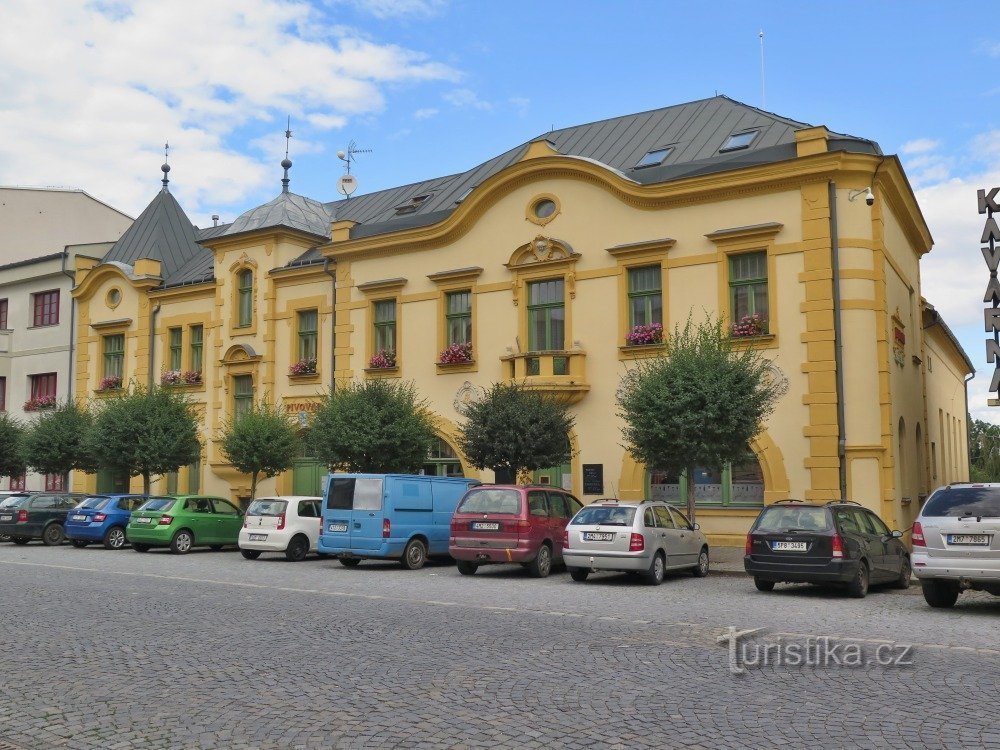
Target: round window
pixel 545 208
pixel 114 297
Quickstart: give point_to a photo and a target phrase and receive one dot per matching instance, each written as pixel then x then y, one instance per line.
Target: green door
pixel 201 520
pixel 307 477
pixel 554 476
pixel 110 483
pixel 228 522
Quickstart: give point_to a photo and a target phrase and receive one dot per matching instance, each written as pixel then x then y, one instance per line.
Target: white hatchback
pixel 281 524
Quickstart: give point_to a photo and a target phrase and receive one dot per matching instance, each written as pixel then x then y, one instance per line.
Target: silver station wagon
pixel 648 538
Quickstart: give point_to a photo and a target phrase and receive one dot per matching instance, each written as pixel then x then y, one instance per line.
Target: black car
pixel 841 542
pixel 37 516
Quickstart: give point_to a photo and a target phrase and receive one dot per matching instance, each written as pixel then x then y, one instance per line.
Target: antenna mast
pixel 763 99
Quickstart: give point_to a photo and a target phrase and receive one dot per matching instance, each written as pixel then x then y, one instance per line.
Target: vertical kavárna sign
pixel 991 253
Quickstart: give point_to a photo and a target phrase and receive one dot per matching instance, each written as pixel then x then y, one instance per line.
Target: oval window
pixel 545 208
pixel 114 297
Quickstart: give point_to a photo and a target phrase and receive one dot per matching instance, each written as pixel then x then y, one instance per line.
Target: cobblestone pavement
pixel 119 650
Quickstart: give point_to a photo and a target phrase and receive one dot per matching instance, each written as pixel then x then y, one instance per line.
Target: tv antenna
pixel 348 156
pixel 763 99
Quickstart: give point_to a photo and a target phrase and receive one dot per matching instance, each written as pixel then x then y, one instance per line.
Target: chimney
pixel 215 220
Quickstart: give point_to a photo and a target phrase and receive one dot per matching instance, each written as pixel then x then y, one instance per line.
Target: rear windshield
pixel 355 493
pixel 13 501
pixel 267 508
pixel 157 503
pixel 95 503
pixel 492 501
pixel 793 518
pixel 958 502
pixel 603 515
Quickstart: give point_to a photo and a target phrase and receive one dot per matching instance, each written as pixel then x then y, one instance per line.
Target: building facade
pixel 557 264
pixel 42 233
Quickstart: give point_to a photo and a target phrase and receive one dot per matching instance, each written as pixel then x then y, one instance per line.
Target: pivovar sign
pixel 991 254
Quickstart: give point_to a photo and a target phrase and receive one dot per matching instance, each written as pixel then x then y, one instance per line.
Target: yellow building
pixel 542 262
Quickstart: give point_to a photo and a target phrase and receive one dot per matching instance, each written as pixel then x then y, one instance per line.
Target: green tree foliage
pixel 12 462
pixel 699 404
pixel 144 431
pixel 262 441
pixel 984 451
pixel 513 429
pixel 378 426
pixel 57 442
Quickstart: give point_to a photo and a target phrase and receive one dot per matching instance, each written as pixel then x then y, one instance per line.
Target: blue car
pixel 102 518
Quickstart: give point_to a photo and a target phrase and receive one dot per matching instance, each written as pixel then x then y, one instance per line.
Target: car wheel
pixel 940 594
pixel 297 550
pixel 701 569
pixel 415 555
pixel 350 562
pixel 763 585
pixel 858 586
pixel 541 566
pixel 182 542
pixel 579 574
pixel 250 554
pixel 657 570
pixel 20 539
pixel 467 568
pixel 53 535
pixel 78 543
pixel 114 538
pixel 140 547
pixel 903 582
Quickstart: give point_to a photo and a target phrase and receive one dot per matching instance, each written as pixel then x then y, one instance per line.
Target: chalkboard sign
pixel 593 479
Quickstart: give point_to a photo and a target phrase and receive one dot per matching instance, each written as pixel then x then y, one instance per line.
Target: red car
pixel 511 524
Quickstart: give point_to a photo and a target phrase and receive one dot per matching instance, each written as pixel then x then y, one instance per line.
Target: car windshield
pixel 95 503
pixel 267 508
pixel 13 501
pixel 793 518
pixel 157 503
pixel 492 501
pixel 604 515
pixel 962 502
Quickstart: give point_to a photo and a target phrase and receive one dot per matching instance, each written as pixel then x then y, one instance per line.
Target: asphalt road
pixel 120 650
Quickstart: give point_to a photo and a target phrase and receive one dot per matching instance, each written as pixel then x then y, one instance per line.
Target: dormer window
pixel 412 206
pixel 738 141
pixel 654 157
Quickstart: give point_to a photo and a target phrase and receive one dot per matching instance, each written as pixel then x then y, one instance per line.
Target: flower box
pixel 303 367
pixel 382 360
pixel 644 335
pixel 40 404
pixel 176 377
pixel 110 383
pixel 456 354
pixel 748 326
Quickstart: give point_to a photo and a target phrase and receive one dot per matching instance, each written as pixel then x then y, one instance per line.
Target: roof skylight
pixel 739 140
pixel 654 157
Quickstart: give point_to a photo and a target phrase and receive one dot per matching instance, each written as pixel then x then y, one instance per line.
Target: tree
pixel 984 451
pixel 512 429
pixel 57 442
pixel 698 404
pixel 144 431
pixel 11 446
pixel 261 441
pixel 375 426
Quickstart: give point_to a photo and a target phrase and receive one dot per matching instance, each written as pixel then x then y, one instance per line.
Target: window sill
pixel 41 325
pixel 768 340
pixel 305 377
pixel 640 351
pixel 107 392
pixel 382 372
pixel 447 367
pixel 185 386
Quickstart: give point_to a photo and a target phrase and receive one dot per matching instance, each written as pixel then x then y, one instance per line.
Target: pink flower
pixel 642 335
pixel 456 354
pixel 110 382
pixel 748 325
pixel 382 359
pixel 303 367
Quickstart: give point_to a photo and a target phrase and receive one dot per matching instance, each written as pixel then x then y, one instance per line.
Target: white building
pixel 41 233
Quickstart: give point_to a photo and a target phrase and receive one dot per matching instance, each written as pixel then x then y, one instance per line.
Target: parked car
pixel 841 542
pixel 401 517
pixel 184 522
pixel 281 524
pixel 956 542
pixel 8 499
pixel 647 537
pixel 37 516
pixel 102 518
pixel 511 524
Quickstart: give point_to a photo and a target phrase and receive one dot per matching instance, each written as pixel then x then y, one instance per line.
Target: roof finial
pixel 286 162
pixel 166 167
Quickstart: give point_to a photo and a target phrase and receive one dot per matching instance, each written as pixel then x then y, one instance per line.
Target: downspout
pixel 838 341
pixel 152 341
pixel 333 327
pixel 968 426
pixel 72 318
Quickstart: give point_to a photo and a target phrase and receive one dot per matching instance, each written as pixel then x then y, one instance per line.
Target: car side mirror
pixel 695 527
pixel 896 534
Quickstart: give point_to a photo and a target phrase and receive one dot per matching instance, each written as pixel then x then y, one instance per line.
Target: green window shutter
pixel 245 280
pixel 197 347
pixel 242 394
pixel 459 317
pixel 308 334
pixel 546 316
pixel 748 286
pixel 176 348
pixel 114 355
pixel 645 296
pixel 385 325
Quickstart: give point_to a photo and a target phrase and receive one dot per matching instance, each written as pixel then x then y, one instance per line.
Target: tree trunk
pixel 505 475
pixel 253 487
pixel 145 483
pixel 690 493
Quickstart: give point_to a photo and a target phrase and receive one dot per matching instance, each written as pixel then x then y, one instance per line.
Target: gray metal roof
pixel 287 210
pixel 162 232
pixel 206 233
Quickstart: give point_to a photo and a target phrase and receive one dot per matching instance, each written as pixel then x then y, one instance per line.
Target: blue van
pixel 404 517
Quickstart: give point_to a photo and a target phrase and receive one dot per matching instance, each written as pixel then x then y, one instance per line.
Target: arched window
pixel 442 461
pixel 740 485
pixel 244 288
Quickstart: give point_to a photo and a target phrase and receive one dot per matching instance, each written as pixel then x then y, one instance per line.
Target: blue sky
pixel 90 91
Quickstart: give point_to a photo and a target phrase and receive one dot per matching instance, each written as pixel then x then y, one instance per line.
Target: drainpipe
pixel 968 425
pixel 333 328
pixel 838 341
pixel 72 318
pixel 152 340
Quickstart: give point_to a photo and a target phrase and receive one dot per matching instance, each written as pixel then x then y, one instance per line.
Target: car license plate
pixel 980 539
pixel 485 526
pixel 598 536
pixel 79 517
pixel 788 546
pixel 6 518
pixel 142 520
pixel 258 537
pixel 338 527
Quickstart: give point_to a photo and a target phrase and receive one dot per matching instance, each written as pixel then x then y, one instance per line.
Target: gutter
pixel 838 341
pixel 72 318
pixel 968 425
pixel 152 341
pixel 333 331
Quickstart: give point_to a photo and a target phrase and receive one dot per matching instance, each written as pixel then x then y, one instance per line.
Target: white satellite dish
pixel 347 184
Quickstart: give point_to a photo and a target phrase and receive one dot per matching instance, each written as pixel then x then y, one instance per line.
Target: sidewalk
pixel 726 561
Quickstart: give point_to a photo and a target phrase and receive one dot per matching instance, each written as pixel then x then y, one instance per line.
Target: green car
pixel 184 522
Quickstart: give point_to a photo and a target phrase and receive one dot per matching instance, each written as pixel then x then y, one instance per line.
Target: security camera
pixel 870 197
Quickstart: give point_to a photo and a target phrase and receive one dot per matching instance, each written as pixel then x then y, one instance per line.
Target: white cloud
pixel 919 146
pixel 466 99
pixel 88 92
pixel 425 113
pixel 392 8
